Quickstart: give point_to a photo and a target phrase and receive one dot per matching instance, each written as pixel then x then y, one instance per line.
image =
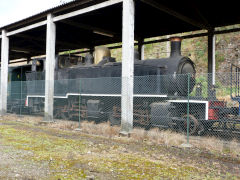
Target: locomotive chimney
pixel 175 46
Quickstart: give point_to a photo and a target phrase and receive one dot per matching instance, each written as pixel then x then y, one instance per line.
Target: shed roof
pixel 152 18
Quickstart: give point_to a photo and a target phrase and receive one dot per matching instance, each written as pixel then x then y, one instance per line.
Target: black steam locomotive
pixel 90 87
pixel 96 79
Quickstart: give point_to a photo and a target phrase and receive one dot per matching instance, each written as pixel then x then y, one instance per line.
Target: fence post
pixel 187 145
pixel 188 123
pixel 21 94
pixel 79 108
pixel 21 99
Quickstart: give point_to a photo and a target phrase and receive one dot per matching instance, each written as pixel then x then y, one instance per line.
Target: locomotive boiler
pixel 102 65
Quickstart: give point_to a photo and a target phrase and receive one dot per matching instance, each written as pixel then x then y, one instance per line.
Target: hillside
pixel 227 51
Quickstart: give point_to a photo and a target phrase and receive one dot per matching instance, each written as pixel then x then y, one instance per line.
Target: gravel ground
pixel 17 164
pixel 32 151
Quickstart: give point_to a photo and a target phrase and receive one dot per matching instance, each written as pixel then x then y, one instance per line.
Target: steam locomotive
pixel 90 86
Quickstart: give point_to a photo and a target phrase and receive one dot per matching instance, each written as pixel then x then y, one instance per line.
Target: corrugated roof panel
pixel 66 4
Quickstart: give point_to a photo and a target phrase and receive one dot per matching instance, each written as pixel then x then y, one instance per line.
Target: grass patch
pixel 54 150
pixel 72 155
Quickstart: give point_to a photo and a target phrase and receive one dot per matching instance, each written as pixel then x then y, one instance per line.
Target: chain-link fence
pixel 184 105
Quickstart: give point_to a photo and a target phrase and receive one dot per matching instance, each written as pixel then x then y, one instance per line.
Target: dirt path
pixel 29 151
pixel 15 164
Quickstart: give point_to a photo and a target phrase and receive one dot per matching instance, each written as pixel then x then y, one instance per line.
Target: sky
pixel 15 10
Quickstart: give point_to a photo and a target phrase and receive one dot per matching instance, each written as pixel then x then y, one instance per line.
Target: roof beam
pixel 194 6
pixel 18 61
pixel 227 31
pixel 175 14
pixel 89 27
pixel 86 10
pixel 57 42
pixel 65 16
pixel 26 28
pixel 42 15
pixel 25 50
pixel 15 56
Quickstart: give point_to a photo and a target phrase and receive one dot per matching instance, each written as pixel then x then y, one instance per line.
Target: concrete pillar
pixel 50 67
pixel 127 66
pixel 4 72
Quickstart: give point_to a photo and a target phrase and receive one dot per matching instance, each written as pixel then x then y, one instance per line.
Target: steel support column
pixel 127 66
pixel 211 61
pixel 50 67
pixel 4 72
pixel 143 52
pixel 141 49
pixel 168 47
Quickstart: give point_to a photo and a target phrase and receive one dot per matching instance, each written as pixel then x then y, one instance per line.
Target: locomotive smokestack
pixel 175 46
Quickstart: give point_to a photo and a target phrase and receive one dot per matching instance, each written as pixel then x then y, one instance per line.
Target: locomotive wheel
pixel 64 115
pixel 172 124
pixel 56 113
pixel 113 121
pixel 201 129
pixel 193 124
pixel 70 110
